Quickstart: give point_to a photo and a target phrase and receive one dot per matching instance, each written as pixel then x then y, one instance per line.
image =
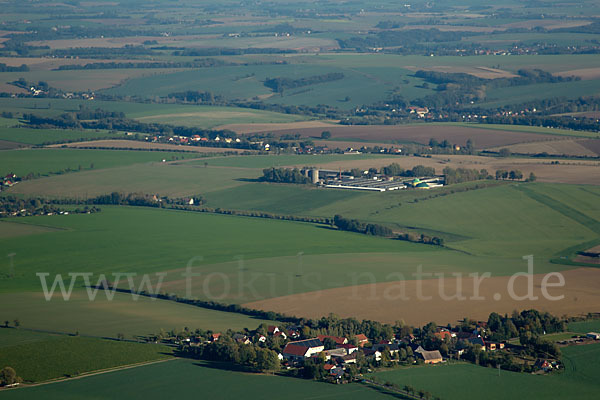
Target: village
pixel 342 359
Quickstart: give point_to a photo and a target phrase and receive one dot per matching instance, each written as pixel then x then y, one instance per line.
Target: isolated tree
pixel 532 177
pixel 6 323
pixel 504 152
pixel 8 376
pixel 325 135
pixel 17 323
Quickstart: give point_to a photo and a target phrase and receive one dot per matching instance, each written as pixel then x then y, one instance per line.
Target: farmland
pixel 46 357
pixel 185 378
pixel 175 114
pixel 421 302
pixel 122 315
pixel 183 236
pixel 47 161
pixel 450 381
pixel 27 136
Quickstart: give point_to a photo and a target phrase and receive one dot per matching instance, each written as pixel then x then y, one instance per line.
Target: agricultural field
pixel 187 378
pixel 451 381
pixel 421 133
pixel 53 161
pixel 124 314
pixel 26 137
pixel 57 356
pixel 585 326
pixel 175 114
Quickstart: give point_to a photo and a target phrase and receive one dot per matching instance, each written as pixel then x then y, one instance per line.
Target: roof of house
pixel 295 350
pixel 328 367
pixel 336 339
pixel 362 338
pixel 272 328
pixel 416 348
pixel 431 355
pixel 308 343
pixel 443 334
pixel 381 347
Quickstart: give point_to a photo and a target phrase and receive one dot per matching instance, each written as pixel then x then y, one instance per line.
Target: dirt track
pixel 383 301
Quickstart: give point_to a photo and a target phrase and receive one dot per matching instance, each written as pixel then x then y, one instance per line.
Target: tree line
pixel 278 85
pixel 284 175
pixel 353 225
pixel 205 63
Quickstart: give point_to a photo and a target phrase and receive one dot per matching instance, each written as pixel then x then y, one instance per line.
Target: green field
pixel 585 326
pixel 48 161
pixel 454 381
pixel 156 178
pixel 11 230
pixel 184 378
pixel 48 136
pixel 269 248
pixel 58 356
pixel 538 219
pixel 367 78
pixel 200 116
pixel 151 240
pixel 123 314
pixel 177 179
pixel 362 85
pixel 278 198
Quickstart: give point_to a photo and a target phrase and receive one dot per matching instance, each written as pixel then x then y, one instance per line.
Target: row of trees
pixel 279 85
pixel 200 63
pixel 460 175
pixel 284 175
pixel 353 225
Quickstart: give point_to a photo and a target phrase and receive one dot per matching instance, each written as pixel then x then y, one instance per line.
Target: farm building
pixel 430 357
pixel 593 335
pixel 298 351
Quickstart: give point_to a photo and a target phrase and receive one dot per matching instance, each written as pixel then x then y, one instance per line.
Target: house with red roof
pixel 336 339
pixel 361 339
pixel 298 351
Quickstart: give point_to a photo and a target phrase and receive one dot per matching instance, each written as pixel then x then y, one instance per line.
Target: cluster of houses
pixel 344 353
pixel 8 180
